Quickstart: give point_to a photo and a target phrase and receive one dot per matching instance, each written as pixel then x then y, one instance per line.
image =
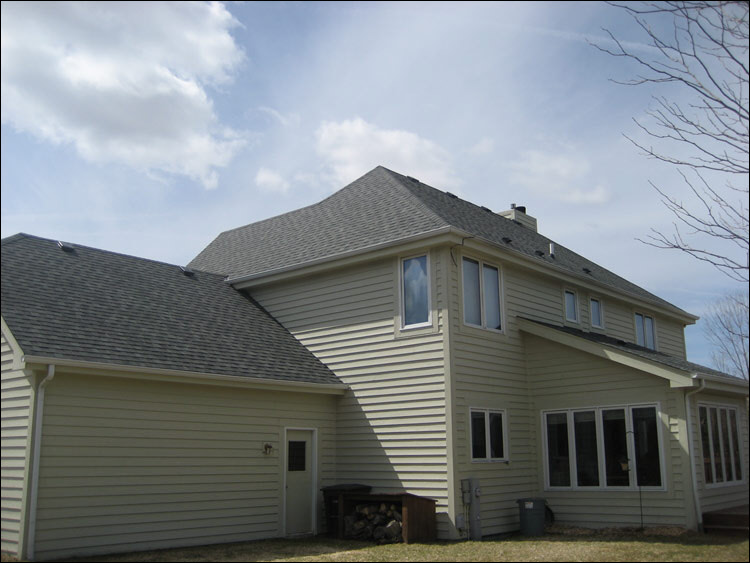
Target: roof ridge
pixel 401 180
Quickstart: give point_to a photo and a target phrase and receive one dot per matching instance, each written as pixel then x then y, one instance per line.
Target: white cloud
pixel 284 119
pixel 563 177
pixel 271 181
pixel 123 83
pixel 352 147
pixel 484 146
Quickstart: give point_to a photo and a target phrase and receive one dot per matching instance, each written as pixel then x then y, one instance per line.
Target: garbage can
pixel 531 511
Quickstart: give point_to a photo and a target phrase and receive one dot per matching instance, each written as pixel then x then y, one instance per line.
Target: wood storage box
pixel 417 513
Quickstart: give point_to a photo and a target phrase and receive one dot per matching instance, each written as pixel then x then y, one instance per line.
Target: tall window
pixel 597 315
pixel 488 435
pixel 722 461
pixel 644 331
pixel 603 447
pixel 571 306
pixel 415 291
pixel 481 284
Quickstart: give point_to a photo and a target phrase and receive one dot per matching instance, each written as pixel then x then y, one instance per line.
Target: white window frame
pixel 577 308
pixel 601 312
pixel 487 412
pixel 630 436
pixel 635 328
pixel 737 411
pixel 501 291
pixel 401 280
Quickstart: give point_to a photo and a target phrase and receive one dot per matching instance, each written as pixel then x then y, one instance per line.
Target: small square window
pixel 488 435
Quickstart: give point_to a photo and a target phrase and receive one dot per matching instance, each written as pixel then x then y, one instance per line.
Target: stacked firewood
pixel 381 523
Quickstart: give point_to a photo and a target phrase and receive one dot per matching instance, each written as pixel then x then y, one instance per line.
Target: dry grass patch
pixel 559 544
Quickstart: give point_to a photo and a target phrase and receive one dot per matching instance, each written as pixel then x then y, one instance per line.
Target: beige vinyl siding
pixel 563 378
pixel 391 425
pixel 714 497
pixel 489 372
pixel 620 323
pixel 132 464
pixel 16 410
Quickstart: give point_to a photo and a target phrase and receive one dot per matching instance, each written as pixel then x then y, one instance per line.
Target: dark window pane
pixel 716 454
pixel 735 445
pixel 472 303
pixel 497 450
pixel 557 449
pixel 571 309
pixel 416 291
pixel 728 466
pixel 478 436
pixel 587 458
pixel 491 278
pixel 708 472
pixel 646 438
pixel 615 448
pixel 296 456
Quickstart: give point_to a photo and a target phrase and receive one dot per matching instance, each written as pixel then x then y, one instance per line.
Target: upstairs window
pixel 415 291
pixel 482 304
pixel 644 331
pixel 597 315
pixel 571 306
pixel 720 439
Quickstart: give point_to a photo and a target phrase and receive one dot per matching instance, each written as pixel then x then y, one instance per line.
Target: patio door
pixel 300 482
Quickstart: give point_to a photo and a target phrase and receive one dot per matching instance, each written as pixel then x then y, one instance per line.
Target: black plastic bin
pixel 531 511
pixel 332 498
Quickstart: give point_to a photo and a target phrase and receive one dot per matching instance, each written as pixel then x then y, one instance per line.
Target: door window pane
pixel 735 445
pixel 557 450
pixel 646 438
pixel 296 456
pixel 472 307
pixel 491 280
pixel 615 448
pixel 716 440
pixel 728 465
pixel 587 456
pixel 416 291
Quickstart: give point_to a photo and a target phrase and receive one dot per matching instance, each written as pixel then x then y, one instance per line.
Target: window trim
pixel 402 305
pixel 743 469
pixel 501 292
pixel 506 445
pixel 601 312
pixel 635 329
pixel 630 437
pixel 577 311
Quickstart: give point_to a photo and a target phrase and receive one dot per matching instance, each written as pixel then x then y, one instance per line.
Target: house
pixel 393 335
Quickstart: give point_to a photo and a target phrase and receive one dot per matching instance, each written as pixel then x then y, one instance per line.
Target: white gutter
pixel 195 377
pixel 38 416
pixel 691 454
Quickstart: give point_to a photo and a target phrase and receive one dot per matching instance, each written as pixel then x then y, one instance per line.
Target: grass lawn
pixel 558 545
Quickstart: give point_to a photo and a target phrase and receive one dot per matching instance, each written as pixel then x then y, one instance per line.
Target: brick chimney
pixel 518 214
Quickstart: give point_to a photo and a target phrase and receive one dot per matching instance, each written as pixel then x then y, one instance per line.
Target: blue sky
pixel 150 128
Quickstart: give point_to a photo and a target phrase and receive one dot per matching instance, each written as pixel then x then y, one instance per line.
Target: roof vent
pixel 539 253
pixel 65 246
pixel 552 249
pixel 187 271
pixel 587 270
pixel 507 240
pixel 487 209
pixel 454 196
pixel 412 179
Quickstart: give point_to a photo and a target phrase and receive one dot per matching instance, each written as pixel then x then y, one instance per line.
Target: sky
pixel 149 128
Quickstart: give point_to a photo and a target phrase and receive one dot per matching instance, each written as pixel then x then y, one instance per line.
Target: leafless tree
pixel 726 326
pixel 702 49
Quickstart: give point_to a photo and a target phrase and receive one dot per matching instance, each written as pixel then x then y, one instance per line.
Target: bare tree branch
pixel 726 326
pixel 705 53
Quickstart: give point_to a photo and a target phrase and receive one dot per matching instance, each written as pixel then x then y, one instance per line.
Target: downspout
pixel 38 416
pixel 691 454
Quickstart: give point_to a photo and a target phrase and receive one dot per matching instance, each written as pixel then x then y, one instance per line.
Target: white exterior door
pixel 300 481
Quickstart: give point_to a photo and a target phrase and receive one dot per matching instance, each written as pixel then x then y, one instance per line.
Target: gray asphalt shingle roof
pixel 380 207
pixel 98 306
pixel 640 351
